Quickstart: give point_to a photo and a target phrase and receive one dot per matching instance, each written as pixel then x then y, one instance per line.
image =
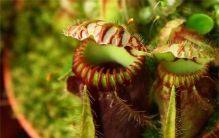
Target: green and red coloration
pixel 213 133
pixel 186 43
pixel 183 89
pixel 111 65
pixel 174 31
pixel 104 33
pixel 169 29
pixel 90 64
pixel 183 105
pixel 170 77
pixel 118 10
pixel 112 43
pixel 111 59
pixel 185 50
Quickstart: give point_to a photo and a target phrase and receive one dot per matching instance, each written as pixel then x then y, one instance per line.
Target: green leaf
pixel 87 127
pixel 66 71
pixel 163 3
pixel 170 123
pixel 201 23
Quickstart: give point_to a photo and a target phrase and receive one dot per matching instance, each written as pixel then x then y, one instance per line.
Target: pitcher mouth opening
pixel 106 67
pixel 180 77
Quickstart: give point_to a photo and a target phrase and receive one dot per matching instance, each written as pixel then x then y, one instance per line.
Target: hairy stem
pixel 138 117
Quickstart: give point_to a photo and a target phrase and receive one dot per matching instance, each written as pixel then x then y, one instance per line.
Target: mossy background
pixel 32 40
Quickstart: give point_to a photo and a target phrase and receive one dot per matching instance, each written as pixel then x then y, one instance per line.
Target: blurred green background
pixel 33 43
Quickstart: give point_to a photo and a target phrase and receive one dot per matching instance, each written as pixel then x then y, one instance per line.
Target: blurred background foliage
pixel 37 50
pixel 33 42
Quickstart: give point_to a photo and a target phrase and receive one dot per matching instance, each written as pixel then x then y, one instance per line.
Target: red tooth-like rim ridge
pixel 184 80
pixel 86 71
